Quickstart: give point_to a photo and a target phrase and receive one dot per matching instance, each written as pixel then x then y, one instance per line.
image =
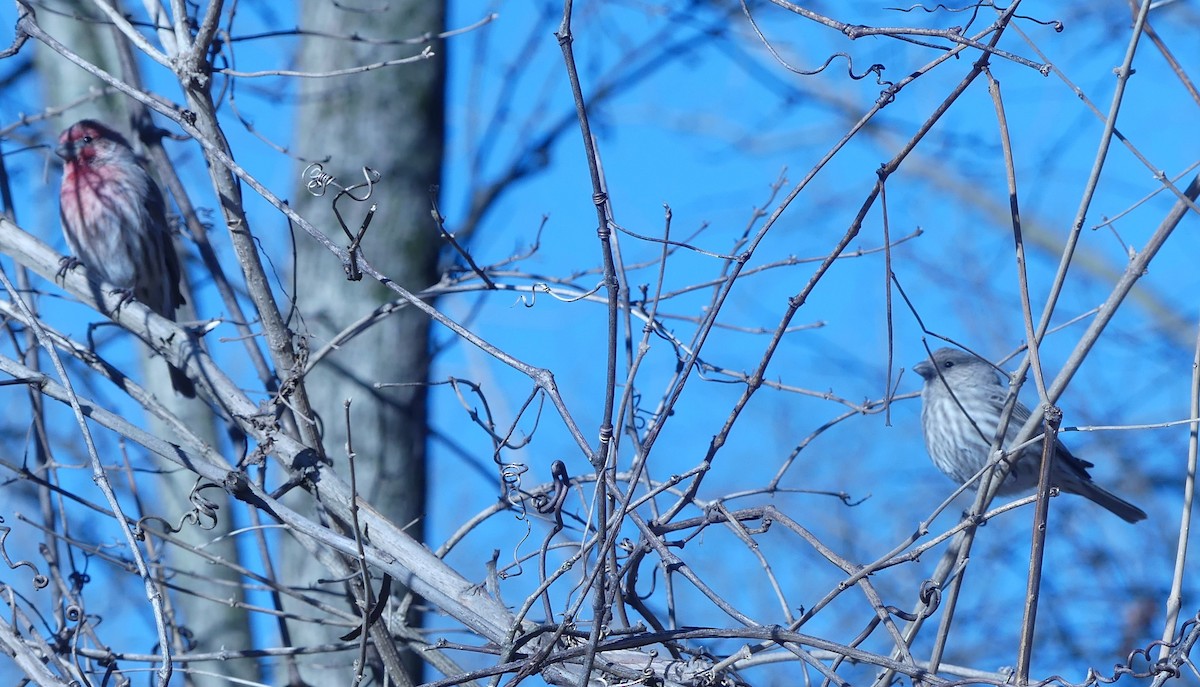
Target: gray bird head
pixel 956 367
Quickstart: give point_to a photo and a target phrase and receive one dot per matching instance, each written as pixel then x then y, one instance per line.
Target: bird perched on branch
pixel 115 223
pixel 961 406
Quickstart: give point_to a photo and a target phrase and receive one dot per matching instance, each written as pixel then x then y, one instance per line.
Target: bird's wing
pixel 1021 414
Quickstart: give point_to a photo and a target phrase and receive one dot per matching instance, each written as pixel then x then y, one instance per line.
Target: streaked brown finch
pixel 961 406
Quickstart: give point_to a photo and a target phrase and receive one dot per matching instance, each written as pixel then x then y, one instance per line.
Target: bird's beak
pixel 924 368
pixel 65 150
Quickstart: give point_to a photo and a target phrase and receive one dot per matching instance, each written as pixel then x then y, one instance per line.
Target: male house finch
pixel 115 222
pixel 961 449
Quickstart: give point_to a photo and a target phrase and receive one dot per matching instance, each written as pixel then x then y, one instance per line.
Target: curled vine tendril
pixel 562 484
pixel 39 580
pixel 319 181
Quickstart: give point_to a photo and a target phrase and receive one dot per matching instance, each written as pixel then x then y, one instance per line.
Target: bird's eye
pixel 948 364
pixel 87 139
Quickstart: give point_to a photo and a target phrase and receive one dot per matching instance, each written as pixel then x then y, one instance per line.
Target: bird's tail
pixel 1111 502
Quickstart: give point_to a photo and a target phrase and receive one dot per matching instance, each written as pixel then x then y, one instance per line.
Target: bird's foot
pixel 123 296
pixel 66 264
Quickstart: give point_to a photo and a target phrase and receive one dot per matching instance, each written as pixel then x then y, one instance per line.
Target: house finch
pixel 115 222
pixel 961 405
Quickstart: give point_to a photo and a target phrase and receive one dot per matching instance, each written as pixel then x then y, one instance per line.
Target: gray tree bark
pixel 391 120
pixel 210 626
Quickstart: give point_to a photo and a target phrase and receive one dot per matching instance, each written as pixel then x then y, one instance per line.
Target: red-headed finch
pixel 115 222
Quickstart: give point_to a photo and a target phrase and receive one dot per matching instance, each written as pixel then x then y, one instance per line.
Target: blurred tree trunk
pixel 209 626
pixel 63 82
pixel 391 120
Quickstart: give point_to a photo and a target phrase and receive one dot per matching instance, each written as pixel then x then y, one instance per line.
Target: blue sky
pixel 713 124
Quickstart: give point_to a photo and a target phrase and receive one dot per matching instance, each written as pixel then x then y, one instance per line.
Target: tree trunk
pixel 210 626
pixel 391 120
